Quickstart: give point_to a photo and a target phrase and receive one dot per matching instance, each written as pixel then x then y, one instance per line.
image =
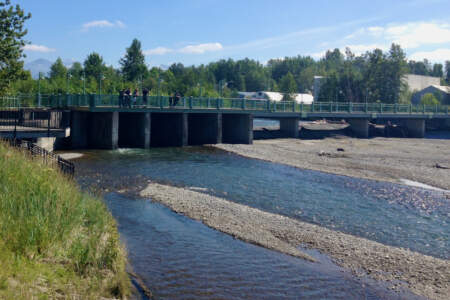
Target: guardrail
pixel 14 120
pixel 49 158
pixel 163 102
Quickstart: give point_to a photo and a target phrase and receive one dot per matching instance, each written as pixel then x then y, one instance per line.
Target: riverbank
pixel 55 241
pixel 385 159
pixel 426 276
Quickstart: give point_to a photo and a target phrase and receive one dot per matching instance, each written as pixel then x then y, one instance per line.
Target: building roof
pixel 443 88
pixel 277 97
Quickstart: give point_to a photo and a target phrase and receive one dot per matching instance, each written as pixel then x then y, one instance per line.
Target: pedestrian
pixel 135 95
pixel 177 98
pixel 145 92
pixel 121 98
pixel 128 97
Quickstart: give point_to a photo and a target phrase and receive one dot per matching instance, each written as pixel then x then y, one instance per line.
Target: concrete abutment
pixel 360 127
pixel 135 129
pixel 289 127
pixel 169 130
pixel 237 128
pixel 204 128
pixel 415 127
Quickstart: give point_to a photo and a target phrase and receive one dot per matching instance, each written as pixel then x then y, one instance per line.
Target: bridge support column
pixel 205 128
pixel 415 127
pixel 289 127
pixel 169 130
pixel 79 129
pixel 360 127
pixel 103 131
pixel 134 130
pixel 237 128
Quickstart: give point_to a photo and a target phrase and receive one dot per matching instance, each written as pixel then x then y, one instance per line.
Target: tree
pixel 133 64
pixel 429 99
pixel 12 20
pixel 437 70
pixel 288 86
pixel 94 66
pixel 58 70
pixel 447 71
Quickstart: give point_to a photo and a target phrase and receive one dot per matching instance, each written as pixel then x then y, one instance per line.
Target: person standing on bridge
pixel 145 92
pixel 135 95
pixel 121 98
pixel 128 97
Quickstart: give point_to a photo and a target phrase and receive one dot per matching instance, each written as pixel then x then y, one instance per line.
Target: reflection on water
pixel 179 258
pixel 392 214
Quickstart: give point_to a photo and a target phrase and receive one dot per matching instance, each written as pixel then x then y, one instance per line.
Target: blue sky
pixel 201 31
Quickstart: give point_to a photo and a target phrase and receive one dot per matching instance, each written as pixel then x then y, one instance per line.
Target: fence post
pixel 312 107
pixel 48 122
pixel 190 102
pixel 243 103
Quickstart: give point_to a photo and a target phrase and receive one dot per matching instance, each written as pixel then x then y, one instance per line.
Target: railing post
pixel 410 108
pixel 91 100
pixel 243 103
pixel 293 106
pixel 350 107
pixel 366 107
pixel 423 109
pixel 395 108
pixel 381 108
pixel 207 103
pixel 301 106
pixel 190 102
pixel 436 109
pixel 312 107
pixel 268 105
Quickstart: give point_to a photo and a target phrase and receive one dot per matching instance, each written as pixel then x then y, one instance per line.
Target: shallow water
pixel 179 258
pixel 392 214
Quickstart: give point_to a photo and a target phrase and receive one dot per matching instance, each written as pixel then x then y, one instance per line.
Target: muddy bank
pixel 426 276
pixel 385 159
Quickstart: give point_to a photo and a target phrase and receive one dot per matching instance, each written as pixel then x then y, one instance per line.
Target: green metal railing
pixel 165 102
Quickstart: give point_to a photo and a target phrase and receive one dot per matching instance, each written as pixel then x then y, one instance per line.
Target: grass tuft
pixel 55 241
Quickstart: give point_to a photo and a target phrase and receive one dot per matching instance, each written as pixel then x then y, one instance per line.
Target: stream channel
pixel 178 258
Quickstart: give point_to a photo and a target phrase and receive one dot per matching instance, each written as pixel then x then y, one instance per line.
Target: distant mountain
pixel 38 65
pixel 43 65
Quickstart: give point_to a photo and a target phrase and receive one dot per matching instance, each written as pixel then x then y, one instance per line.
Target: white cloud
pixel 158 51
pixel 201 48
pixel 38 48
pixel 409 35
pixel 102 24
pixel 438 55
pixel 191 49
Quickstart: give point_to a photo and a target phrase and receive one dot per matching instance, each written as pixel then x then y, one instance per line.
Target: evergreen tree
pixel 133 64
pixel 288 86
pixel 12 20
pixel 94 66
pixel 58 70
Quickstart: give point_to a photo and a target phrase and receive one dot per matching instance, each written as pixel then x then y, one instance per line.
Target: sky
pixel 197 32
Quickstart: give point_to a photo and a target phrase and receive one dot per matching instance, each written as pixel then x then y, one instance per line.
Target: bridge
pixel 105 122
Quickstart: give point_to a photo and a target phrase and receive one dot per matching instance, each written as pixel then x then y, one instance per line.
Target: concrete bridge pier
pixel 415 127
pixel 169 130
pixel 103 131
pixel 205 129
pixel 360 127
pixel 237 128
pixel 289 127
pixel 134 129
pixel 78 129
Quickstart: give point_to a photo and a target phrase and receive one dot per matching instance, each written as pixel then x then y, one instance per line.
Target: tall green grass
pixel 47 222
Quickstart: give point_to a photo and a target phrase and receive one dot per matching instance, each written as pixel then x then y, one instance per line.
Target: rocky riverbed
pixel 386 159
pixel 424 275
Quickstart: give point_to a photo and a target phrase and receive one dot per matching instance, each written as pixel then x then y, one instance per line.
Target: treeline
pixel 373 77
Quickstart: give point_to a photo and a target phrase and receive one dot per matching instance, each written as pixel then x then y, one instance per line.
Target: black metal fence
pixel 49 158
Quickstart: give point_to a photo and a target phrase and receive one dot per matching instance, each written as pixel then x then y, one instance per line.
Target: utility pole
pixel 84 83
